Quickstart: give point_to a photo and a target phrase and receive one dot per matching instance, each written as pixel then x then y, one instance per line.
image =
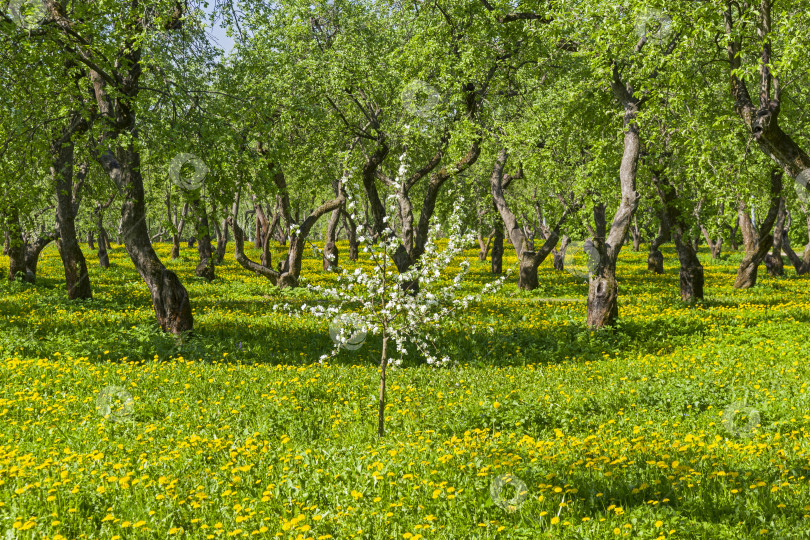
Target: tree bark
pixel 16 249
pixel 715 246
pixel 103 241
pixel 77 279
pixel 243 260
pixel 32 252
pixel 559 254
pixel 762 121
pixel 222 239
pixel 732 241
pixel 292 268
pixel 483 250
pixel 205 268
pixel 655 259
pixel 23 255
pixel 773 261
pixel 497 249
pixel 757 242
pixel 178 225
pixel 603 291
pixel 691 275
pixel 528 260
pixel 267 255
pixel 330 252
pixel 169 298
pixel 261 224
pixel 801 264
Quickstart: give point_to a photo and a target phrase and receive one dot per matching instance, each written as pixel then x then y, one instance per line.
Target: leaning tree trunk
pixel 169 298
pixel 32 252
pixel 801 264
pixel 205 268
pixel 691 270
pixel 90 240
pixel 330 251
pixel 77 279
pixel 23 256
pixel 528 259
pixel 603 291
pixel 757 243
pixel 292 268
pixel 243 260
pixel 119 130
pixel 716 247
pixel 773 261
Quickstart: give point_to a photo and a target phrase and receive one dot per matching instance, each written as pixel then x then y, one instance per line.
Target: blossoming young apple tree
pixel 386 304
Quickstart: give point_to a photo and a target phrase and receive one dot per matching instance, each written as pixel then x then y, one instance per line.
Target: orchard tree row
pixel 682 121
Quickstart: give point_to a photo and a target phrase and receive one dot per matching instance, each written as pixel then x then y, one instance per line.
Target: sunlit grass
pixel 241 433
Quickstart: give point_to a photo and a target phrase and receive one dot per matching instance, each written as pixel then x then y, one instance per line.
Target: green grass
pixel 239 432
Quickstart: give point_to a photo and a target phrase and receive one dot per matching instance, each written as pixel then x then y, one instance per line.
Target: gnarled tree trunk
pixel 23 254
pixel 691 270
pixel 243 260
pixel 77 279
pixel 603 291
pixel 801 264
pixel 528 259
pixel 773 261
pixel 757 243
pixel 330 251
pixel 292 268
pixel 762 120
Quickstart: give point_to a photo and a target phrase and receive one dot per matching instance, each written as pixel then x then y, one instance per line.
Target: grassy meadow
pixel 682 422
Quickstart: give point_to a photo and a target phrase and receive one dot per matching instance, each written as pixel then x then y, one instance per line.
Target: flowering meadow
pixel 680 422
